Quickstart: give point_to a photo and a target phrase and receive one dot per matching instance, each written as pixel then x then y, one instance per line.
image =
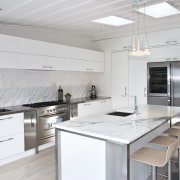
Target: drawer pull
pixel 6 118
pixel 9 139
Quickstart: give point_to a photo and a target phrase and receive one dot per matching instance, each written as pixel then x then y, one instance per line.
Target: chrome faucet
pixel 135 107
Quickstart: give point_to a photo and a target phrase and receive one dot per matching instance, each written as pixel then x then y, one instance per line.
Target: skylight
pixel 159 10
pixel 113 21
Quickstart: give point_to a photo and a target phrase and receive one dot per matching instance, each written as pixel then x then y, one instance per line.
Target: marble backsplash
pixel 28 86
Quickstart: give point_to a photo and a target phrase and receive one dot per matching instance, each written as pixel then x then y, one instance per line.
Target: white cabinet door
pixel 11 124
pixel 88 66
pixel 11 145
pixel 120 79
pixel 90 108
pixel 82 158
pixel 85 109
pixel 29 46
pixel 11 134
pixel 85 54
pixel 9 43
pixel 138 79
pixel 57 63
pixel 57 50
pixel 8 60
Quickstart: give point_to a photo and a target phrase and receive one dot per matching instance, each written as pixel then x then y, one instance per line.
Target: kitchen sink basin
pixel 117 113
pixel 4 110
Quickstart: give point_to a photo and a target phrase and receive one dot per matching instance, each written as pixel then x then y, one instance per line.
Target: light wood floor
pixel 36 167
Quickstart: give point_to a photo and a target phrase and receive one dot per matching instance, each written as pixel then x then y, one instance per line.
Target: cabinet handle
pixel 125 92
pixel 47 67
pixel 32 123
pixel 89 69
pixel 9 139
pixel 87 104
pixel 6 118
pixel 103 101
pixel 171 42
pixel 145 94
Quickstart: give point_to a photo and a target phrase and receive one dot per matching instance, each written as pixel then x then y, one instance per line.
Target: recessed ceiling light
pixel 159 10
pixel 113 21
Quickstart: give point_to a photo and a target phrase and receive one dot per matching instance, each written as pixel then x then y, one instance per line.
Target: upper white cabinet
pixel 85 54
pixel 88 66
pixel 8 60
pixel 57 50
pixel 164 38
pixel 9 43
pixel 27 61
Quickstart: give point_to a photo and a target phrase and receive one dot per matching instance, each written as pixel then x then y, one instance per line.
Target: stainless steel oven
pixel 47 116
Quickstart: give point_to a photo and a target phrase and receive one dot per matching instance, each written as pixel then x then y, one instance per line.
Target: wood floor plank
pixel 35 167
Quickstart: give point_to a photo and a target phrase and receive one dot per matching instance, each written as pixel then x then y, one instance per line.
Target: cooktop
pixel 44 104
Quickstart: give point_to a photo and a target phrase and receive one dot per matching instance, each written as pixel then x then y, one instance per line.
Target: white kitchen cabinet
pixel 138 79
pixel 120 79
pixel 82 157
pixel 8 60
pixel 93 107
pixel 27 61
pixel 11 134
pixel 85 54
pixel 88 66
pixel 57 50
pixel 9 43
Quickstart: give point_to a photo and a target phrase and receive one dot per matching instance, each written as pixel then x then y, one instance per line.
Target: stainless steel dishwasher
pixel 30 128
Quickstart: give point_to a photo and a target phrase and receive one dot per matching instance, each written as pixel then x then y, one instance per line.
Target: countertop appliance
pixel 164 83
pixel 93 92
pixel 49 113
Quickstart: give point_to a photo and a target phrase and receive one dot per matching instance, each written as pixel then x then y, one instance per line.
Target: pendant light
pixel 139 41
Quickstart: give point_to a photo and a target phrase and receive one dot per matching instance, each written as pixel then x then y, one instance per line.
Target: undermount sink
pixel 4 110
pixel 117 113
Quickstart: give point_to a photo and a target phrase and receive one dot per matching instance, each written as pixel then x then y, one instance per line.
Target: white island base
pixel 84 157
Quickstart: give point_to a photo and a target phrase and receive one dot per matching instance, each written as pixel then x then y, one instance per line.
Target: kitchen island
pixel 98 147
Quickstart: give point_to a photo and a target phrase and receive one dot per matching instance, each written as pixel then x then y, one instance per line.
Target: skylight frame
pixel 163 9
pixel 113 21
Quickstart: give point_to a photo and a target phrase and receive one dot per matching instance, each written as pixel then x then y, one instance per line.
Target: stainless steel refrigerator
pixel 164 83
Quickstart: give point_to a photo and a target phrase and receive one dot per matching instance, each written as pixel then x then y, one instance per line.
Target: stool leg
pixel 153 173
pixel 179 161
pixel 169 170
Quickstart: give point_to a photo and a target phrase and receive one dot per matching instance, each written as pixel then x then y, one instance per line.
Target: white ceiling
pixel 76 15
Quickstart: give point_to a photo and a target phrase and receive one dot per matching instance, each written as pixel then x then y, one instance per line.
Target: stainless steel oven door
pixel 46 124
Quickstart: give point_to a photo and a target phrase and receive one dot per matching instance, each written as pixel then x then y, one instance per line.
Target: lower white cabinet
pixel 93 107
pixel 88 66
pixel 82 158
pixel 11 145
pixel 11 134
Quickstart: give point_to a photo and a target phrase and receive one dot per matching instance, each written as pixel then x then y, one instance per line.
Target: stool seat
pixel 150 156
pixel 156 157
pixel 173 131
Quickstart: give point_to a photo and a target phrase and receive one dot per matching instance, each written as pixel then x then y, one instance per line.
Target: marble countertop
pixel 121 129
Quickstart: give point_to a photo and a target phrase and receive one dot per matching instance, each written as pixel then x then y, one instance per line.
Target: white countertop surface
pixel 121 129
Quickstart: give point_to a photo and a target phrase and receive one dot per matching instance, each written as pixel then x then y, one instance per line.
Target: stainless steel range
pixel 49 113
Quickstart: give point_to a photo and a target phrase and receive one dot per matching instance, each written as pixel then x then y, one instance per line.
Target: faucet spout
pixel 135 107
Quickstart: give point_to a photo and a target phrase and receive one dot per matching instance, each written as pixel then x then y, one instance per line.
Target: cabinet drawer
pixel 11 145
pixel 11 124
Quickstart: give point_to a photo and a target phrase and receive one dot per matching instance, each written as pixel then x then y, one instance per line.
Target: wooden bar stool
pixel 175 131
pixel 156 157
